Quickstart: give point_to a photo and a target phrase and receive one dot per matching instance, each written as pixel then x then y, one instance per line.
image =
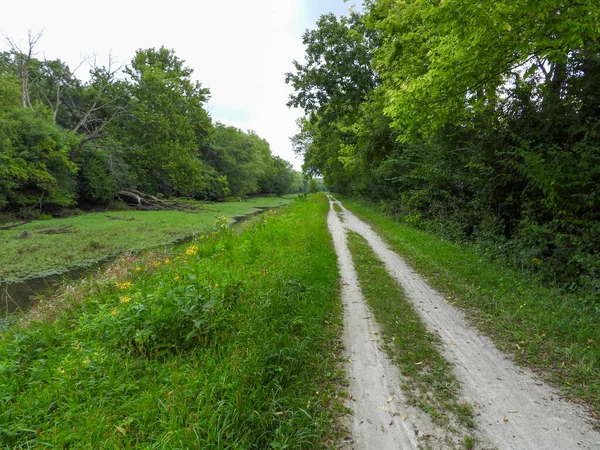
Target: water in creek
pixel 21 295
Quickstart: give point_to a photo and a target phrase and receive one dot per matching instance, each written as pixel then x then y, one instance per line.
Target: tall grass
pixel 229 343
pixel 554 333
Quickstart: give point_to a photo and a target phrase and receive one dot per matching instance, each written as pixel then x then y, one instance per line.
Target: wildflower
pixel 113 312
pixel 156 264
pixel 124 285
pixel 167 261
pixel 217 285
pixel 192 250
pixel 176 277
pixel 87 360
pixel 138 269
pixel 125 299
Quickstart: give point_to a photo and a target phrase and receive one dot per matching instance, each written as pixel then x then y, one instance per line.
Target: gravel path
pixel 514 408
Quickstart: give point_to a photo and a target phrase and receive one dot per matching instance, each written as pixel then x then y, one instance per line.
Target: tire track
pixel 514 409
pixel 381 418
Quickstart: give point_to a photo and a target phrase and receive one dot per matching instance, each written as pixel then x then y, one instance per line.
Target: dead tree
pixel 23 58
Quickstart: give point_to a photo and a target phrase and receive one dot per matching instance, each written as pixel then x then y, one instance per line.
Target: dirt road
pixel 514 409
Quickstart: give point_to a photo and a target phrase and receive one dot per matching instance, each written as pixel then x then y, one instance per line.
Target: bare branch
pixel 23 59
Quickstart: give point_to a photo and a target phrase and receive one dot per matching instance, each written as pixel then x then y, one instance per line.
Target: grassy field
pixel 229 342
pixel 57 245
pixel 554 333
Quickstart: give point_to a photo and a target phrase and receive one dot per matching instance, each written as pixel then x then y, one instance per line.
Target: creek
pixel 21 295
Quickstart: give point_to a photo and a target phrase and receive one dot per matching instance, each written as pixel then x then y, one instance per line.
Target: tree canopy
pixel 65 142
pixel 479 120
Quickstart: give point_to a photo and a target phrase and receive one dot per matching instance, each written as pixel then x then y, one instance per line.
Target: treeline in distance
pixel 65 142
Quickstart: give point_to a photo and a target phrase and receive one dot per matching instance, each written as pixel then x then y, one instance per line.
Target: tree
pixel 35 170
pixel 241 157
pixel 480 120
pixel 313 186
pixel 166 123
pixel 331 86
pixel 23 58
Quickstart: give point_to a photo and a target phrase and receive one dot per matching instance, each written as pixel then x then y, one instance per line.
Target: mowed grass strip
pixel 57 245
pixel 555 333
pixel 429 382
pixel 231 342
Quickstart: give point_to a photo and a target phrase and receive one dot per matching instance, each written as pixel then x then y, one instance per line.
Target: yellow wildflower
pixel 217 285
pixel 167 261
pixel 176 277
pixel 192 250
pixel 125 299
pixel 138 269
pixel 113 312
pixel 124 285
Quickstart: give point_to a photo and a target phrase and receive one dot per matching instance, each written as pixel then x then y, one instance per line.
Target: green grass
pixel 230 343
pixel 428 379
pixel 556 334
pixel 96 236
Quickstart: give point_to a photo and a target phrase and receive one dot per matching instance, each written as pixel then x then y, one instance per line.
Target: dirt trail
pixel 514 408
pixel 381 418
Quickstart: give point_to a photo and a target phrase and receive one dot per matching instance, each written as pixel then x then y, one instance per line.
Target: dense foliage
pixel 65 142
pixel 480 120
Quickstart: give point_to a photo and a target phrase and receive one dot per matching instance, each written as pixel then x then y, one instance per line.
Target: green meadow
pixel 227 341
pixel 58 245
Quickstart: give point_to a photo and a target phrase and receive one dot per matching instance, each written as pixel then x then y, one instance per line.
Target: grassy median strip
pixel 229 343
pixel 553 332
pixel 430 383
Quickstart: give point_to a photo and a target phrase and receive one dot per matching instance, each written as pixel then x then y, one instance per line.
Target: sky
pixel 239 49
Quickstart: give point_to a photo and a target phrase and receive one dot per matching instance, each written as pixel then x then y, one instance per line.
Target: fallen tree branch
pixel 147 202
pixel 56 230
pixel 8 227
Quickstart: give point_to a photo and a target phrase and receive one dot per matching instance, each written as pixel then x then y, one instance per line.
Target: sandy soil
pixel 514 409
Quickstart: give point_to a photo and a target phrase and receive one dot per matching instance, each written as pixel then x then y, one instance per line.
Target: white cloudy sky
pixel 239 49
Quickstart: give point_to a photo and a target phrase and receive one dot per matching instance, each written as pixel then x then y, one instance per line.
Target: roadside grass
pixel 428 379
pixel 229 342
pixel 554 333
pixel 58 245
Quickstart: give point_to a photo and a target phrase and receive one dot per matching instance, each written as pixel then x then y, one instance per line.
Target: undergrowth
pixel 229 343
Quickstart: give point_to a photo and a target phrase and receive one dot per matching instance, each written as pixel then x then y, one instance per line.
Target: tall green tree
pixel 35 170
pixel 166 123
pixel 477 119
